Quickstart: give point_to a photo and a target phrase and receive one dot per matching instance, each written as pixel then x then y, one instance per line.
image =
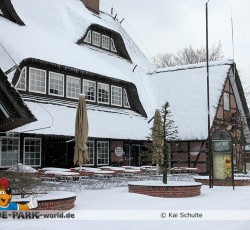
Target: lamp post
pixel 210 157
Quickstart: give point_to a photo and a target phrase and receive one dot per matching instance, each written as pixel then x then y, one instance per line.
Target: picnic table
pixel 55 169
pixel 182 173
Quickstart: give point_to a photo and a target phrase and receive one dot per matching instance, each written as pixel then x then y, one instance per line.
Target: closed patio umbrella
pixel 81 133
pixel 157 136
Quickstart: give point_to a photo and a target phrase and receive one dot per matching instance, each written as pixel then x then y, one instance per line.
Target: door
pixel 132 153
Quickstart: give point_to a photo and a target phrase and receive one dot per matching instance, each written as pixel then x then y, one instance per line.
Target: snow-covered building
pixel 51 51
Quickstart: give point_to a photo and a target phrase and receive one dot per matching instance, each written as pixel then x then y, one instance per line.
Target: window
pixel 96 38
pixel 103 93
pixel 102 152
pixel 89 89
pixel 100 40
pixel 105 42
pixel 56 84
pixel 116 95
pixel 125 99
pixel 226 101
pixel 37 81
pixel 73 87
pixel 113 46
pixel 9 151
pixel 88 37
pixel 21 84
pixel 90 145
pixel 32 151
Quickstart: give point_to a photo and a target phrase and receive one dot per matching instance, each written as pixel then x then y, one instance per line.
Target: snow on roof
pixel 185 88
pixel 103 122
pixel 51 31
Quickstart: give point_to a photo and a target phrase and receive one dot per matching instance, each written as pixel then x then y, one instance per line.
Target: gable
pixel 227 103
pixel 185 88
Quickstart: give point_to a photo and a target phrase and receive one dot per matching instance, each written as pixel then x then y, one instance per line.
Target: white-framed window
pixel 116 95
pixel 21 84
pixel 9 151
pixel 88 37
pixel 112 45
pixel 91 146
pixel 96 38
pixel 226 97
pixel 89 89
pixel 37 80
pixel 56 84
pixel 32 151
pixel 125 99
pixel 105 42
pixel 73 87
pixel 102 152
pixel 100 40
pixel 103 93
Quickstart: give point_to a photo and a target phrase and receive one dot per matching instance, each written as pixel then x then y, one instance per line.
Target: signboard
pixel 118 151
pixel 221 140
pixel 222 155
pixel 221 146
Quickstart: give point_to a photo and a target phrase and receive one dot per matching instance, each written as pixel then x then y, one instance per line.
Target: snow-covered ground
pixel 106 203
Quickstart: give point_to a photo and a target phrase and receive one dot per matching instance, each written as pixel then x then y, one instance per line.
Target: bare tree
pixel 188 55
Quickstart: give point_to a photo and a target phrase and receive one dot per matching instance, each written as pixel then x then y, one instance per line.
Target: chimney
pixel 92 5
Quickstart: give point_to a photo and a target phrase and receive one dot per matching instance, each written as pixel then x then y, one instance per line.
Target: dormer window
pixel 89 89
pixel 125 99
pixel 105 39
pixel 105 42
pixel 56 84
pixel 113 46
pixel 37 80
pixel 100 40
pixel 103 93
pixel 116 95
pixel 21 84
pixel 96 38
pixel 88 37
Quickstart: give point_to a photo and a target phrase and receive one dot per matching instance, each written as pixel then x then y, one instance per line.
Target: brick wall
pixel 61 204
pixel 166 191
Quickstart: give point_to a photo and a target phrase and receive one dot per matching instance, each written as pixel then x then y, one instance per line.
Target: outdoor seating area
pixel 108 176
pixel 79 178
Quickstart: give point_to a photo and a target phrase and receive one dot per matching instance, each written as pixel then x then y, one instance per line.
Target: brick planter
pixel 52 201
pixel 238 181
pixel 173 189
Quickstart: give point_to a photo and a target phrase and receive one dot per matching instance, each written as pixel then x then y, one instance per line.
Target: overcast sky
pixel 170 25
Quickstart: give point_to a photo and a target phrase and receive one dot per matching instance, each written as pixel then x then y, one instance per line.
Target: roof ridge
pixel 191 66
